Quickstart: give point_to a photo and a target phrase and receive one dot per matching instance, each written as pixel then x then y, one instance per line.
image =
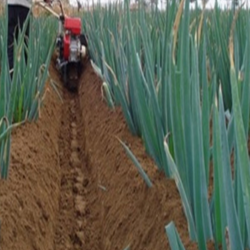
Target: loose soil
pixel 71 185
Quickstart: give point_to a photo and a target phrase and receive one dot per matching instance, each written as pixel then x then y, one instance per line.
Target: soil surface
pixel 71 185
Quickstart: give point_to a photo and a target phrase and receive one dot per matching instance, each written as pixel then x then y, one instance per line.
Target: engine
pixel 70 49
pixel 72 43
pixel 68 41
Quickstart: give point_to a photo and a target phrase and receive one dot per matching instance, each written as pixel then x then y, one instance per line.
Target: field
pixel 72 186
pixel 152 151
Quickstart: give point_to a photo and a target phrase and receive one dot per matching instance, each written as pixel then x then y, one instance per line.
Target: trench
pixel 71 223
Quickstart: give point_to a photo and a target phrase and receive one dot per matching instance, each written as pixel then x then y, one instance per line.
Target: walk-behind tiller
pixel 71 46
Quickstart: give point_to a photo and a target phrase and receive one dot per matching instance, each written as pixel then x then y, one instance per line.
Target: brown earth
pixel 72 186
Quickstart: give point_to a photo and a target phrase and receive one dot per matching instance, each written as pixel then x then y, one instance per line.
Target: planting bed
pixel 71 185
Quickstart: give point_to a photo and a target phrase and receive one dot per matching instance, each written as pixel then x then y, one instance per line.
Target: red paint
pixel 66 43
pixel 73 25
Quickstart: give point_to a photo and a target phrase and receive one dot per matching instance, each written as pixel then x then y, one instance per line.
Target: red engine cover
pixel 66 43
pixel 73 24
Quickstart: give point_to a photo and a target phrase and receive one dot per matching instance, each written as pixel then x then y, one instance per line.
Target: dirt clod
pixel 74 159
pixel 74 132
pixel 74 145
pixel 73 125
pixel 80 207
pixel 80 237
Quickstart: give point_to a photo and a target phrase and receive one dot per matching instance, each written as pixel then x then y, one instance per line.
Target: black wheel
pixel 64 75
pixel 73 76
pixel 84 40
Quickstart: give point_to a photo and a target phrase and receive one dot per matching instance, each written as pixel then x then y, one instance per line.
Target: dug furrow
pixel 69 232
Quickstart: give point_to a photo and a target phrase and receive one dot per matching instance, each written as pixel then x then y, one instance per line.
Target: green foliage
pixel 21 97
pixel 166 75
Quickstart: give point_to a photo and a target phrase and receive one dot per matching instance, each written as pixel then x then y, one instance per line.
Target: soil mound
pixel 29 198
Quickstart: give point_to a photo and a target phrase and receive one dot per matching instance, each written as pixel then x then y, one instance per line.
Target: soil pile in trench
pixel 71 185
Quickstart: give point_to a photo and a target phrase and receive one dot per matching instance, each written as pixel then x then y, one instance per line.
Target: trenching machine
pixel 71 45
